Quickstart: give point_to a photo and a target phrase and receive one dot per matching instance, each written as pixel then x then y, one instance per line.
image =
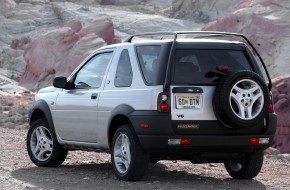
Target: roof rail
pixel 206 34
pixel 130 38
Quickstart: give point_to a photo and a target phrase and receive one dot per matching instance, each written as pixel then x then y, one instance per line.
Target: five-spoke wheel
pixel 241 99
pixel 42 146
pixel 41 143
pixel 122 153
pixel 129 160
pixel 246 99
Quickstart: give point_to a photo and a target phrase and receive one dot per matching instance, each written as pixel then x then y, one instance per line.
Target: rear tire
pixel 42 147
pixel 129 160
pixel 246 168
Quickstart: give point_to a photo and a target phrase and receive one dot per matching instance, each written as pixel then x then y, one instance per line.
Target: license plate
pixel 188 101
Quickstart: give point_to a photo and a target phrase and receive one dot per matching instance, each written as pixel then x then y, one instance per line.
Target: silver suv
pixel 200 98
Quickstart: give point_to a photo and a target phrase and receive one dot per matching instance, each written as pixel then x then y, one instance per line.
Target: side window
pixel 124 73
pixel 148 57
pixel 91 75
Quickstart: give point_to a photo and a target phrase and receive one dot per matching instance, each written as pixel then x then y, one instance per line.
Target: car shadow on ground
pixel 100 176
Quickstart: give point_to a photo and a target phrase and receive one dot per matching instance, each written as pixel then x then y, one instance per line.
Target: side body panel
pixel 138 96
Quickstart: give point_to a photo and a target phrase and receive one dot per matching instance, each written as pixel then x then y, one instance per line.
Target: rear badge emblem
pixel 180 115
pixel 188 126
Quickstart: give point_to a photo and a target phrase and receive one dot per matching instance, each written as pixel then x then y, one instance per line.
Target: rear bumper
pixel 202 144
pixel 161 128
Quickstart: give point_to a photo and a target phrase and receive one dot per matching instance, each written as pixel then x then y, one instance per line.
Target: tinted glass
pixel 190 66
pixel 150 62
pixel 91 75
pixel 124 74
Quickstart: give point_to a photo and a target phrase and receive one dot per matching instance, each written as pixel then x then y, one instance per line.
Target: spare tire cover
pixel 241 99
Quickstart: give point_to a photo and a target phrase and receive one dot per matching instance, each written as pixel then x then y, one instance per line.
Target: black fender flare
pixel 123 110
pixel 44 108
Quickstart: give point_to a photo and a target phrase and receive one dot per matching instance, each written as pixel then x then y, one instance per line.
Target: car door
pixel 76 110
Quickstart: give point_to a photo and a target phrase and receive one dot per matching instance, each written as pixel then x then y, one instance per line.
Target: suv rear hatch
pixel 193 84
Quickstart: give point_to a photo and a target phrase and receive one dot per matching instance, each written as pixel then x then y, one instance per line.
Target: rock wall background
pixel 40 39
pixel 281 99
pixel 60 51
pixel 266 24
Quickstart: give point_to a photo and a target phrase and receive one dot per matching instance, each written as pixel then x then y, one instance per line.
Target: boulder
pixel 6 6
pixel 61 50
pixel 21 43
pixel 202 11
pixel 281 100
pixel 266 24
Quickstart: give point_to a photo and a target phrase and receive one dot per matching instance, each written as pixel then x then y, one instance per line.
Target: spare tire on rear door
pixel 241 99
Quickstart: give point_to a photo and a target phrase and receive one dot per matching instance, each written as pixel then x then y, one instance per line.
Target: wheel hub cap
pixel 122 154
pixel 246 99
pixel 41 143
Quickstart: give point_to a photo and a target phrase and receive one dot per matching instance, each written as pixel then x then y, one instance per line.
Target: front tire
pixel 246 168
pixel 129 160
pixel 42 146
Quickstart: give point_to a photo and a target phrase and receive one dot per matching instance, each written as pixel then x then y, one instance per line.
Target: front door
pixel 76 110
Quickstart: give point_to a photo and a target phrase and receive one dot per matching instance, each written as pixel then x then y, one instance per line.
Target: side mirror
pixel 60 82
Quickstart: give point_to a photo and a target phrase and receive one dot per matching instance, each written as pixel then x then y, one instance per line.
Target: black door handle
pixel 94 96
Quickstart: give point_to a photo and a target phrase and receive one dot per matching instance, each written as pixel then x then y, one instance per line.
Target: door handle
pixel 94 96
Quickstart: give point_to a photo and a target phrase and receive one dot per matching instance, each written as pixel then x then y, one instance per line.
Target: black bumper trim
pixel 230 144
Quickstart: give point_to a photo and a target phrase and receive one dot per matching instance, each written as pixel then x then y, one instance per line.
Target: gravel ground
pixel 89 170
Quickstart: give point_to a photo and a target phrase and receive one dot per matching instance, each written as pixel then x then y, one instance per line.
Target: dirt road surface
pixel 90 170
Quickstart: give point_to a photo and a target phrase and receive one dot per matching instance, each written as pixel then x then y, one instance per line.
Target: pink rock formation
pixel 281 100
pixel 266 24
pixel 60 51
pixel 21 43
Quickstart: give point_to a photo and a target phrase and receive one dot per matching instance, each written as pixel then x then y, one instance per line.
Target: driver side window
pixel 92 73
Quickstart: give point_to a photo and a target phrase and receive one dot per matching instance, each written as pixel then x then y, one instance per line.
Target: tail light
pixel 259 141
pixel 183 141
pixel 271 107
pixel 163 102
pixel 164 107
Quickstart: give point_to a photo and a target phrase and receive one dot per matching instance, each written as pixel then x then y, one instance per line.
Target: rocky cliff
pixel 281 99
pixel 266 24
pixel 202 10
pixel 61 50
pixel 41 38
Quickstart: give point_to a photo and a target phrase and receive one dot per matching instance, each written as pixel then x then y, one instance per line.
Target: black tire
pixel 227 110
pixel 246 168
pixel 42 146
pixel 132 166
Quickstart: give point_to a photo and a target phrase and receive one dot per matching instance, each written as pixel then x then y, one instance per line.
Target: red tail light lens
pixel 254 140
pixel 271 109
pixel 164 106
pixel 185 141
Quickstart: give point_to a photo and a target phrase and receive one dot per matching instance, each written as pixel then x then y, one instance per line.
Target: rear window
pixel 190 66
